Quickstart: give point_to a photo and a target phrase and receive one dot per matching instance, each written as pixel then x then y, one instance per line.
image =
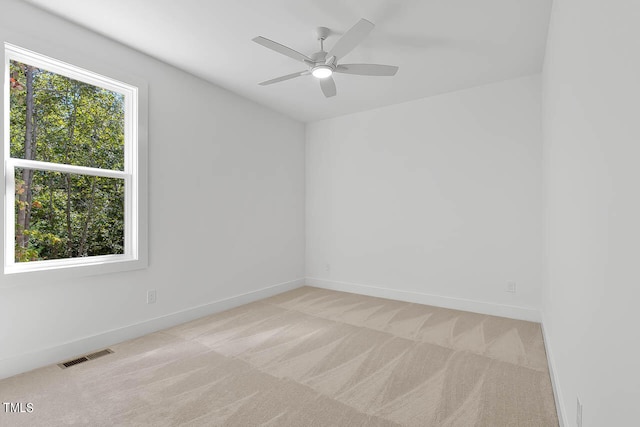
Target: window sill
pixel 68 269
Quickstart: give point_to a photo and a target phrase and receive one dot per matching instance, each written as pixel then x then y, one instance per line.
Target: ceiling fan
pixel 323 64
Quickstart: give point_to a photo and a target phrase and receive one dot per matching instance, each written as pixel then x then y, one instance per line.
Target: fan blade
pixel 351 39
pixel 283 78
pixel 328 86
pixel 367 69
pixel 287 51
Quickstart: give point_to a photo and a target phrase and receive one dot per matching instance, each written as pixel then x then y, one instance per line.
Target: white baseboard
pixel 26 362
pixel 555 384
pixel 510 311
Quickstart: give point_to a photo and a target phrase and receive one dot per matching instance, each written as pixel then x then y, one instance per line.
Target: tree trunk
pixel 29 180
pixel 85 228
pixel 50 213
pixel 25 194
pixel 67 184
pixel 67 178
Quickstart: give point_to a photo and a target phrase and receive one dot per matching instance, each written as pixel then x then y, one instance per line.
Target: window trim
pixel 133 174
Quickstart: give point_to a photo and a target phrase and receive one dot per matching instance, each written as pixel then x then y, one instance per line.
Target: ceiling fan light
pixel 322 72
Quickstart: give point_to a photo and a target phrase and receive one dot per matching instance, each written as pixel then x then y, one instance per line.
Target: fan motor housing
pixel 319 56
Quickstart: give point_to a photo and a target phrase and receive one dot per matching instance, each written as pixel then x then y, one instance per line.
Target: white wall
pixel 226 209
pixel 591 105
pixel 435 200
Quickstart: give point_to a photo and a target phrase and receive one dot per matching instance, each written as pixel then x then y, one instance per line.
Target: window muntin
pixel 85 161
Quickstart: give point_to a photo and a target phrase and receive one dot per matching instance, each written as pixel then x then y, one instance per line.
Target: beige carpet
pixel 309 357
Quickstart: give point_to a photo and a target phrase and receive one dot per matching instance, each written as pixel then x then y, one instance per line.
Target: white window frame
pixel 133 175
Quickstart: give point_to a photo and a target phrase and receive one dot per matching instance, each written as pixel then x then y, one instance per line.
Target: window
pixel 71 166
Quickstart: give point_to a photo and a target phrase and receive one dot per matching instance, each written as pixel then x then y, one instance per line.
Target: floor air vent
pixel 85 358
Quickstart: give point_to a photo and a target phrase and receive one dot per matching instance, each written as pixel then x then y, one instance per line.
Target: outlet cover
pixel 511 287
pixel 151 296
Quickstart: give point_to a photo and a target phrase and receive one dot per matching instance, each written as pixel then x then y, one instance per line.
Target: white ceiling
pixel 439 45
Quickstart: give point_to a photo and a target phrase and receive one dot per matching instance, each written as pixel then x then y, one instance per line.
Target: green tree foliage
pixel 60 120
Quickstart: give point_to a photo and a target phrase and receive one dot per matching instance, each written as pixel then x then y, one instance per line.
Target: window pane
pixel 60 120
pixel 60 215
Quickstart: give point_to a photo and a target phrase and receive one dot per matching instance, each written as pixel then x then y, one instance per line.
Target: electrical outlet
pixel 578 413
pixel 151 296
pixel 327 267
pixel 511 287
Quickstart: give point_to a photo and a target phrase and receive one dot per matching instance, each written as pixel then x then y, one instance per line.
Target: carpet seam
pixel 409 339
